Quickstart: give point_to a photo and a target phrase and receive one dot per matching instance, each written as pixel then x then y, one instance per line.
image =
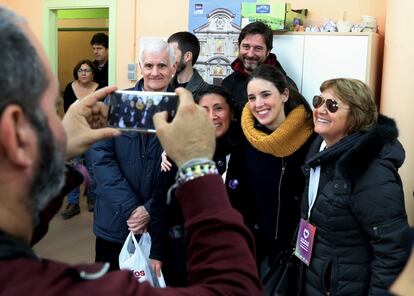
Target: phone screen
pixel 133 110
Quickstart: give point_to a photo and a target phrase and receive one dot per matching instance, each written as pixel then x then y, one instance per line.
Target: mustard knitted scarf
pixel 294 131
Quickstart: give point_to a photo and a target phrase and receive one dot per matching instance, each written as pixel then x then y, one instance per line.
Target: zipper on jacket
pixel 375 229
pixel 282 173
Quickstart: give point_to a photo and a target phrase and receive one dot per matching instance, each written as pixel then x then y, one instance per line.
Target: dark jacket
pixel 236 82
pixel 131 116
pixel 276 186
pixel 127 173
pixel 195 85
pixel 359 213
pixel 167 221
pixel 229 158
pixel 229 270
pixel 228 155
pixel 101 76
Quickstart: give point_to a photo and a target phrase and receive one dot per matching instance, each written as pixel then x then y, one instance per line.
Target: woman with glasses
pixel 277 123
pixel 353 221
pixel 82 86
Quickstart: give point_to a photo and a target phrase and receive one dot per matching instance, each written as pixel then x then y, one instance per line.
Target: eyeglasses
pixel 331 104
pixel 80 71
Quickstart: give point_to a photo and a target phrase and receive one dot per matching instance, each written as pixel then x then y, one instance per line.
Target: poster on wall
pixel 217 25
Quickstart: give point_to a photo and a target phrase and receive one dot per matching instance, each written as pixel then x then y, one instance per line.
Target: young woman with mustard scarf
pixel 277 124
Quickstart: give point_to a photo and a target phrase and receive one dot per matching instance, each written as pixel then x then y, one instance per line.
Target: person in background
pixel 127 170
pixel 131 114
pixel 82 86
pixel 277 124
pixel 140 104
pixel 187 49
pixel 167 221
pixel 34 145
pixel 354 199
pixel 99 43
pixel 147 114
pixel 255 43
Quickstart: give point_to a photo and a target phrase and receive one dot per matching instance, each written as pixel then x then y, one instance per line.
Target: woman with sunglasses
pixel 277 123
pixel 353 216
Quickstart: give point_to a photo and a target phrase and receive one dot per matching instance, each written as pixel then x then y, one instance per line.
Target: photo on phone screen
pixel 133 110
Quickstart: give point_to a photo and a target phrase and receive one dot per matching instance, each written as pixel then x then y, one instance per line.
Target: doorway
pixel 76 28
pixel 52 8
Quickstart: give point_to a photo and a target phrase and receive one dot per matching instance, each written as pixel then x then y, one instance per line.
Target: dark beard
pixel 180 66
pixel 49 176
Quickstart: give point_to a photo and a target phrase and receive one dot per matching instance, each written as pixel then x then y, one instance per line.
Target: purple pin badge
pixel 233 184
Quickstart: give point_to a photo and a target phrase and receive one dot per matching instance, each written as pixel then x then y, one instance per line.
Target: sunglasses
pixel 331 104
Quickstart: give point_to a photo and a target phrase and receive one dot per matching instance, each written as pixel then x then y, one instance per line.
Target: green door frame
pixel 50 28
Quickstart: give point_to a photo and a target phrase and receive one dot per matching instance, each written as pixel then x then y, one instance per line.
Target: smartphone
pixel 133 110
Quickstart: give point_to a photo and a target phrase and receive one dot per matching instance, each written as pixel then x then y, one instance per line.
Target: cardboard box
pixel 276 14
pixel 270 12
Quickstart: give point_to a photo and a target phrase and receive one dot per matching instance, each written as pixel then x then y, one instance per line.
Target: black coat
pixel 275 186
pixel 196 84
pixel 169 245
pixel 359 213
pixel 166 216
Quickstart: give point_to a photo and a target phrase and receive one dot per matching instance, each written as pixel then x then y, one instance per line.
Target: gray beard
pixel 250 67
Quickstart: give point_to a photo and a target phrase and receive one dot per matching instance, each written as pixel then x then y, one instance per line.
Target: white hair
pixel 157 45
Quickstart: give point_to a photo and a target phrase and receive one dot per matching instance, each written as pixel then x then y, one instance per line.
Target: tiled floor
pixel 71 240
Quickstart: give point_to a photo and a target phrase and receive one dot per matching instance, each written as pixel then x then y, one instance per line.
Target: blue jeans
pixel 86 160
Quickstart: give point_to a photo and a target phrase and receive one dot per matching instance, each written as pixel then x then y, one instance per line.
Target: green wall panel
pixel 82 13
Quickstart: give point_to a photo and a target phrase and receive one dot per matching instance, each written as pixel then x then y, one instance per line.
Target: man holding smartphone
pixel 127 169
pixel 34 145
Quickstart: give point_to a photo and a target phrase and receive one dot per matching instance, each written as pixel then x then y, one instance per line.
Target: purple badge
pixel 233 184
pixel 304 242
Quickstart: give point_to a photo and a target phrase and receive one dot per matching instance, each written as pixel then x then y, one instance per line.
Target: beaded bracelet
pixel 194 161
pixel 195 170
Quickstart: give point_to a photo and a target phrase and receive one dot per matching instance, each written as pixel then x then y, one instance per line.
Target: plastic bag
pixel 134 256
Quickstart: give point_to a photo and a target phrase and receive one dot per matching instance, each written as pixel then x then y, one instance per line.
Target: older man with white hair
pixel 127 168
